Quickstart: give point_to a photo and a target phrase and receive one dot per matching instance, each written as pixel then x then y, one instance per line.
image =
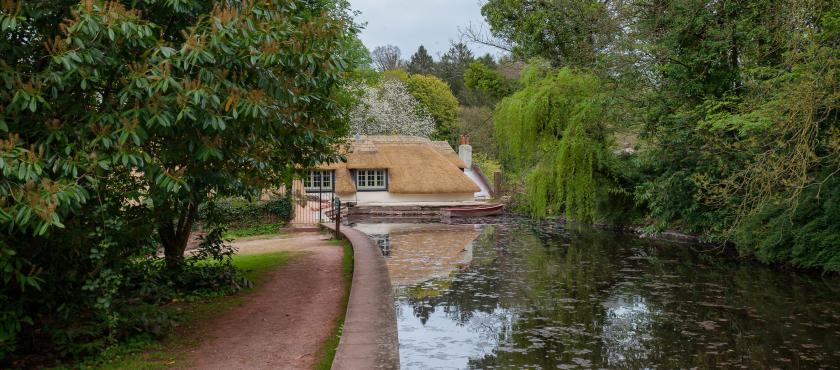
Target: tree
pixel 452 66
pixel 386 58
pixel 486 80
pixel 477 122
pixel 389 109
pixel 436 98
pixel 732 104
pixel 565 32
pixel 488 61
pixel 421 62
pixel 116 117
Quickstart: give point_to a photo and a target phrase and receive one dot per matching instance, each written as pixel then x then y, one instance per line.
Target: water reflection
pixel 533 296
pixel 421 252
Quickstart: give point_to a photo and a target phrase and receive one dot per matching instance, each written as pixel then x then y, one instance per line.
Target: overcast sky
pixel 410 23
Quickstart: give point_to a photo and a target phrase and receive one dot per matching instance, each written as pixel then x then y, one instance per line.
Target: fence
pixel 311 207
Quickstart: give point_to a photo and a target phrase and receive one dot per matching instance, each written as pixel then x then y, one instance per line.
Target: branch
pixel 482 37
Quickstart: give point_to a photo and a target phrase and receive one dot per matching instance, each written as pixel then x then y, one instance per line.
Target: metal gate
pixel 313 207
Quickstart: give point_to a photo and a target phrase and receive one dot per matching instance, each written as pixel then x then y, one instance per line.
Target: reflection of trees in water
pixel 594 300
pixel 599 299
pixel 456 295
pixel 558 283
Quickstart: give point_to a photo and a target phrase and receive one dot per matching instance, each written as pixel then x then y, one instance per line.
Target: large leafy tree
pixel 554 133
pixel 436 98
pixel 566 32
pixel 119 115
pixel 195 99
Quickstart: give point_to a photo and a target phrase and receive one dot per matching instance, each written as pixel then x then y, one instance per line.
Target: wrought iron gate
pixel 313 207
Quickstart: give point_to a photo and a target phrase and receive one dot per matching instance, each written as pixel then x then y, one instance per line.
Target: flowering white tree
pixel 389 109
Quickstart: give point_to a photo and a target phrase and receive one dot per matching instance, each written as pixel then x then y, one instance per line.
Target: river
pixel 537 296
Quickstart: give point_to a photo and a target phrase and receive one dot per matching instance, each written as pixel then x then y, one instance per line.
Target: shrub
pixel 487 165
pixel 240 212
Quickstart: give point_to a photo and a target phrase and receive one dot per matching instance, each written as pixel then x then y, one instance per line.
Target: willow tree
pixel 553 131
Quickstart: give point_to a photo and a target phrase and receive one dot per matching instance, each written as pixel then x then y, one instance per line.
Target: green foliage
pixel 436 98
pixel 477 123
pixel 739 107
pixel 119 118
pixel 487 165
pixel 421 62
pixel 396 75
pixel 808 235
pixel 451 68
pixel 492 83
pixel 237 212
pixel 554 133
pixel 254 230
pixel 567 32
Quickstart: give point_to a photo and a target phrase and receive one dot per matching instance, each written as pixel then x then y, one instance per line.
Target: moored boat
pixel 477 211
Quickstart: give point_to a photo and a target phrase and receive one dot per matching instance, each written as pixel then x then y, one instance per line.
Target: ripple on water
pixel 525 296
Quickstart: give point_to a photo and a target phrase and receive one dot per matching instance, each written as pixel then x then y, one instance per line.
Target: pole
pixel 320 201
pixel 497 185
pixel 337 215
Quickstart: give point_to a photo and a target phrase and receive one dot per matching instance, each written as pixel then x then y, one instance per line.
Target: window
pixel 371 179
pixel 315 181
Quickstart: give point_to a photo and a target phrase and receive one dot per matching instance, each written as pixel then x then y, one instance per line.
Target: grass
pixel 254 230
pixel 327 352
pixel 144 352
pixel 254 266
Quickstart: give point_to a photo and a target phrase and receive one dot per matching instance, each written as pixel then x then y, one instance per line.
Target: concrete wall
pixel 369 339
pixel 364 197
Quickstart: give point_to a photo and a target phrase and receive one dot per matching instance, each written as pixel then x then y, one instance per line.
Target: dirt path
pixel 284 322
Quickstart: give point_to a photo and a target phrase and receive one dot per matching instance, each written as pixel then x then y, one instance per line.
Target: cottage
pixel 397 169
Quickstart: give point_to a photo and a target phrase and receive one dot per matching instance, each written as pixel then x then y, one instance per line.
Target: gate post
pixel 337 214
pixel 497 185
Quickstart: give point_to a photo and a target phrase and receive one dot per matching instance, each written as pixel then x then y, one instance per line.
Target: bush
pixel 806 234
pixel 241 212
pixel 487 165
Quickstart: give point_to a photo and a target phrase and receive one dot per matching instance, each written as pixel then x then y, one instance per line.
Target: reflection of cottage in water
pixel 383 241
pixel 421 252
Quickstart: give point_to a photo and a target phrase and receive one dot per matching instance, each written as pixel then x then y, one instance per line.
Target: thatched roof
pixel 415 165
pixel 344 181
pixel 447 152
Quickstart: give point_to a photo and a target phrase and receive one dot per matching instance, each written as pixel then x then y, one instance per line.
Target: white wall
pixel 363 197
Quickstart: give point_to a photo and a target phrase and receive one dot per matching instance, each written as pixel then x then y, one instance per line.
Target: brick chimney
pixel 465 150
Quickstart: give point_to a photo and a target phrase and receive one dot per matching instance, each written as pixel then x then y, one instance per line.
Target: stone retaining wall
pixel 369 339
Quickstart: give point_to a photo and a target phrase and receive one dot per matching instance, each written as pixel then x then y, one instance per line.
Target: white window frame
pixel 372 180
pixel 318 180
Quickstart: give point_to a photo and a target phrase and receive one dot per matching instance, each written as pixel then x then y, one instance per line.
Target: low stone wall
pixel 369 339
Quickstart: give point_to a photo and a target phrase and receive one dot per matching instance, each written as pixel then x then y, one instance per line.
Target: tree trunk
pixel 175 234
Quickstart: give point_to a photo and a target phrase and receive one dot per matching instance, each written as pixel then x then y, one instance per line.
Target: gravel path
pixel 285 321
